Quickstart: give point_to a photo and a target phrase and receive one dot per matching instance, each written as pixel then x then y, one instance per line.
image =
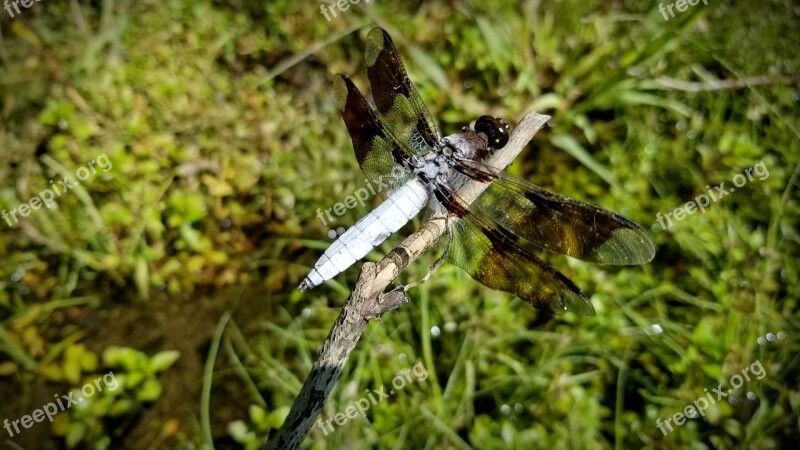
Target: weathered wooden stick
pixel 368 299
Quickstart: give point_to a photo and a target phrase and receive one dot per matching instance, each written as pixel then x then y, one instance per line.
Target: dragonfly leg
pixel 448 229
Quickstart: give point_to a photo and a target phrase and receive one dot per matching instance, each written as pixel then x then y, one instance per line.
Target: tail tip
pixel 305 286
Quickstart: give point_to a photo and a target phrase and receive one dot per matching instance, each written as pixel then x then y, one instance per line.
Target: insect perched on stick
pixel 492 236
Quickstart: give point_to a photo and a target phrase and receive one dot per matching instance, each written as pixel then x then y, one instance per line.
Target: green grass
pixel 220 123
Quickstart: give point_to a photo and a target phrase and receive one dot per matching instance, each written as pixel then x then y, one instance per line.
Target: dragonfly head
pixel 495 130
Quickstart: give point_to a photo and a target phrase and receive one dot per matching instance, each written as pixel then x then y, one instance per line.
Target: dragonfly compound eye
pixel 496 131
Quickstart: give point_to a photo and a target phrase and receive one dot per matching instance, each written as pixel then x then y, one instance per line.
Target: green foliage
pixel 260 423
pixel 121 392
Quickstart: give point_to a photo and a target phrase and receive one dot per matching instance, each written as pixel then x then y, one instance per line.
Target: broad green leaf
pixel 164 360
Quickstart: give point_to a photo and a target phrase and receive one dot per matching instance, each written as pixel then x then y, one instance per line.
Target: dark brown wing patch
pixel 377 150
pixel 560 224
pixel 396 98
pixel 491 256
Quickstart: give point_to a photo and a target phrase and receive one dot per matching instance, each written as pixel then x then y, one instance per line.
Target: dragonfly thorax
pixel 434 167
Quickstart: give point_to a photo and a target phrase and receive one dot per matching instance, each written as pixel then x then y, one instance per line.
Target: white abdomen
pixel 371 230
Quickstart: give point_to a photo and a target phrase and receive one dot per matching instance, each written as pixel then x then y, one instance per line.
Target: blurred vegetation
pixel 219 123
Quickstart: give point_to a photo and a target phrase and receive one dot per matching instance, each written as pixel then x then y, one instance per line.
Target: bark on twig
pixel 368 300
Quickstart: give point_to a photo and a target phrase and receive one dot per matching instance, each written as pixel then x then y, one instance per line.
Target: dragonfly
pixel 493 238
